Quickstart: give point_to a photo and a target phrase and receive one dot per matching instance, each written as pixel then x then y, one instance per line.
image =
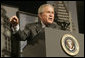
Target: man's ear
pixel 39 16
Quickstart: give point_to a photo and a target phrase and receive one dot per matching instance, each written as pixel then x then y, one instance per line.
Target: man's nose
pixel 51 15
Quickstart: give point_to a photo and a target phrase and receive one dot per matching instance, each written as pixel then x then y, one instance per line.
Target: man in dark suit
pixel 35 31
pixel 46 16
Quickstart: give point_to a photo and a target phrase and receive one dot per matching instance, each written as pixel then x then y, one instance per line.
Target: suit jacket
pixel 35 34
pixel 32 30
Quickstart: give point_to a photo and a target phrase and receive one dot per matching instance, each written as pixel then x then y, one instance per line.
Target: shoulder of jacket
pixel 31 25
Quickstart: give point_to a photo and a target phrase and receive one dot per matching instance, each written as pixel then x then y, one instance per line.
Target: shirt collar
pixel 43 25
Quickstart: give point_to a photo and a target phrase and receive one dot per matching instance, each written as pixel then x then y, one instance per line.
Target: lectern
pixel 55 45
pixel 55 41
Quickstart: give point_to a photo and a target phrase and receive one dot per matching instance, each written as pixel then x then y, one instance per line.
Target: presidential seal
pixel 69 44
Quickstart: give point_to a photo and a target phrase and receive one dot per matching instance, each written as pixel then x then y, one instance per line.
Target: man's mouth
pixel 50 18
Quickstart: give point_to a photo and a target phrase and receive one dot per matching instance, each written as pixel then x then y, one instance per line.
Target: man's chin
pixel 50 22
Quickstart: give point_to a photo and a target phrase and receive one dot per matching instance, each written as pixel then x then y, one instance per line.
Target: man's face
pixel 47 16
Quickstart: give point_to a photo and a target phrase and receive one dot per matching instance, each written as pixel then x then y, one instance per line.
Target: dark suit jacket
pixel 35 34
pixel 32 30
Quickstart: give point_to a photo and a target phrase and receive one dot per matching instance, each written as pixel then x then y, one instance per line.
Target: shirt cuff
pixel 15 29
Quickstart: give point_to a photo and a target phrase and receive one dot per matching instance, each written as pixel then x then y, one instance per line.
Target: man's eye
pixel 52 12
pixel 48 12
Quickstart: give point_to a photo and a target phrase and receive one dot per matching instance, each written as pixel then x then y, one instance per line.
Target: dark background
pixel 32 7
pixel 80 13
pixel 26 6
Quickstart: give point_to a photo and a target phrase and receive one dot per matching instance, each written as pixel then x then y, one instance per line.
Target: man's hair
pixel 40 10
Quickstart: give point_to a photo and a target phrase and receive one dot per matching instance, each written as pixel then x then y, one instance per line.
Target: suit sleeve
pixel 22 35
